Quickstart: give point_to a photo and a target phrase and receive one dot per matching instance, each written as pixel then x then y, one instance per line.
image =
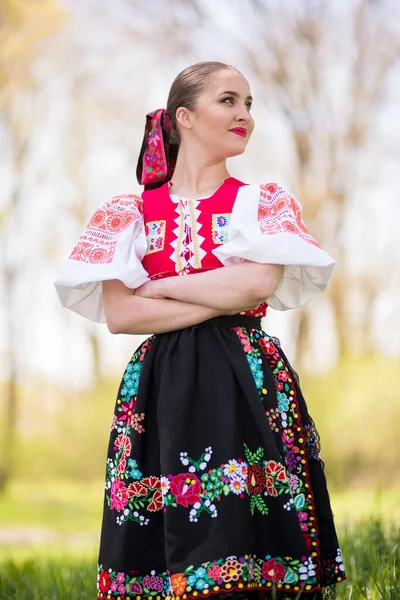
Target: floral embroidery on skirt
pixel 214 481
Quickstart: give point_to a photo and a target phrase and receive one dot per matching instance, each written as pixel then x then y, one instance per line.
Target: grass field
pixel 371 551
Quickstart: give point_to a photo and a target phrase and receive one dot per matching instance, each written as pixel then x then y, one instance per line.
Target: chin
pixel 235 152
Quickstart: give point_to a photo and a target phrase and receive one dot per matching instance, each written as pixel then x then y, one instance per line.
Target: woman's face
pixel 221 122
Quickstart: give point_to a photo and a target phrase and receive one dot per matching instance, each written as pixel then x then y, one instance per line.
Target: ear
pixel 184 117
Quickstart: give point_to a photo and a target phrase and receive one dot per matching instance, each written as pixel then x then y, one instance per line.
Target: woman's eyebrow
pixel 234 94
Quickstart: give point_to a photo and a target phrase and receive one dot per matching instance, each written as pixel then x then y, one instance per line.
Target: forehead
pixel 229 79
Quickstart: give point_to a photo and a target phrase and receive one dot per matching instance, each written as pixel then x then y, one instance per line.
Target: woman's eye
pixel 231 99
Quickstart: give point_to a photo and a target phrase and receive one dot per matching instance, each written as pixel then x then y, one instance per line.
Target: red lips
pixel 239 131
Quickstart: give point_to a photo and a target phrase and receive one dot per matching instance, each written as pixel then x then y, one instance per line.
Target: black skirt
pixel 214 482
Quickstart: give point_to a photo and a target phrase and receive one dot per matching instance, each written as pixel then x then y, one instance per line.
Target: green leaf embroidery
pixel 226 489
pixel 259 455
pixel 260 504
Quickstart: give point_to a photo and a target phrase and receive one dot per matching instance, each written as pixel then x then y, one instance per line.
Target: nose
pixel 243 114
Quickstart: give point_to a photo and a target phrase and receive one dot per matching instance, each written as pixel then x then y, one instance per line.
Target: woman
pixel 214 483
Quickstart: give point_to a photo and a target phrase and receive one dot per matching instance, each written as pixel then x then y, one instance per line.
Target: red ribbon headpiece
pixel 158 155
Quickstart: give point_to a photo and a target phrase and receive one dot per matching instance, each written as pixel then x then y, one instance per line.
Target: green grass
pixel 371 551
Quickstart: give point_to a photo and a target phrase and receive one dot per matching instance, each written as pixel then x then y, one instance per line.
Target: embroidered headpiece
pixel 157 156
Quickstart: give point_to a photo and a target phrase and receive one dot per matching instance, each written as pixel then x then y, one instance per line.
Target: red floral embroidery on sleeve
pixel 98 242
pixel 279 212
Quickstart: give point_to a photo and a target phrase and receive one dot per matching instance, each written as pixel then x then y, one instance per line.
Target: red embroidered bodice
pixel 182 235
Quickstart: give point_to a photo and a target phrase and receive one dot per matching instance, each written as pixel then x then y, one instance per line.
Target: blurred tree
pixel 327 74
pixel 23 27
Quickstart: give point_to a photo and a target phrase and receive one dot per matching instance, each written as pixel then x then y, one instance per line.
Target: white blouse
pixel 265 226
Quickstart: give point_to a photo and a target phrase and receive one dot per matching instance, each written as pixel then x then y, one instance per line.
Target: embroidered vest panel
pixel 181 235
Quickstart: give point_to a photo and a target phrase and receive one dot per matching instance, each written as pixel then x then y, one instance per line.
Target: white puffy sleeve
pixel 266 226
pixel 111 246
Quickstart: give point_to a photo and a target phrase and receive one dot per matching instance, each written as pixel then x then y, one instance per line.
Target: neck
pixel 195 175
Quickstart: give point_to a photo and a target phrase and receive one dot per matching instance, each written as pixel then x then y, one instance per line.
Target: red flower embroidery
pixel 98 218
pixel 186 487
pixel 273 467
pixel 273 571
pixel 104 581
pixel 98 242
pixel 152 482
pixel 256 480
pixel 124 442
pixel 267 347
pixel 279 212
pixel 136 489
pixel 156 502
pixel 98 255
pixel 271 487
pixel 114 222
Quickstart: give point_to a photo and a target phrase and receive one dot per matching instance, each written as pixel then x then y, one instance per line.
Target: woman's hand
pixel 150 289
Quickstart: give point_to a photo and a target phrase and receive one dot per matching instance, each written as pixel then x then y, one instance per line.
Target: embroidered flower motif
pixel 136 422
pixel 231 570
pixel 222 221
pixel 214 572
pixel 98 255
pixel 243 470
pixel 267 346
pixel 283 375
pixel 152 482
pixel 98 242
pixel 272 467
pixel 124 443
pixel 283 402
pixel 155 235
pixel 256 480
pixel 273 571
pixel 156 502
pixel 288 437
pixel 134 473
pixel 232 468
pixel 119 498
pixel 219 228
pixel 280 212
pixel 178 584
pixel 165 485
pixel 236 485
pixel 186 487
pixel 136 489
pixel 125 411
pixel 270 484
pixel 153 582
pixel 247 347
pixel 104 581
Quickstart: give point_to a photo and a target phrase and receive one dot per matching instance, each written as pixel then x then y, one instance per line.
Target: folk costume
pixel 214 481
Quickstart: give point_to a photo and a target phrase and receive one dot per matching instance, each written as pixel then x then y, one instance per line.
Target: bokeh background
pixel 76 80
